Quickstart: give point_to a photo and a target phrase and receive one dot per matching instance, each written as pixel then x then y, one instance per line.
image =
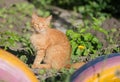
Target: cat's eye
pixel 36 25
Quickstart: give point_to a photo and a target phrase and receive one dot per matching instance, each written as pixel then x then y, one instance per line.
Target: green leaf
pixel 86 52
pixel 42 71
pixel 95 40
pixel 23 58
pixel 74 46
pixel 79 52
pixel 83 30
pixel 88 37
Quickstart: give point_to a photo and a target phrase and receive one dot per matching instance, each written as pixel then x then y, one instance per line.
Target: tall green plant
pixel 82 41
pixel 83 44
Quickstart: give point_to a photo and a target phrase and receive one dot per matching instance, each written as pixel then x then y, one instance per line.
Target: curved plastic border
pixel 14 70
pixel 95 66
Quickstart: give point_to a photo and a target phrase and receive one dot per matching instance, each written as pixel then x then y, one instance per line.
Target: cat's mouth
pixel 39 30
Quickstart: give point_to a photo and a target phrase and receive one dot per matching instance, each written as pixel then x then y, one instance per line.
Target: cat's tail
pixel 75 65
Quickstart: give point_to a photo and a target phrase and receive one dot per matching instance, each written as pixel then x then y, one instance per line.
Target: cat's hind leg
pixel 57 56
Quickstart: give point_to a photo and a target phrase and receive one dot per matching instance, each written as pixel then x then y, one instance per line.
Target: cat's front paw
pixel 34 66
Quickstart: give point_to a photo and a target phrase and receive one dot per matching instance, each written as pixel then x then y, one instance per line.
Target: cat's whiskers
pixel 42 30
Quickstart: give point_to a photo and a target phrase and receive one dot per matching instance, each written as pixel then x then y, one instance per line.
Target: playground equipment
pixel 14 70
pixel 102 69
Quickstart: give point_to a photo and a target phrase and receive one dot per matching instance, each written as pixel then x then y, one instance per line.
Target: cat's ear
pixel 48 19
pixel 34 16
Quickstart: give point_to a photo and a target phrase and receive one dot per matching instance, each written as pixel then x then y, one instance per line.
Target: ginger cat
pixel 52 46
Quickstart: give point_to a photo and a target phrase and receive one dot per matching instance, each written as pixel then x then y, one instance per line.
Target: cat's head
pixel 40 23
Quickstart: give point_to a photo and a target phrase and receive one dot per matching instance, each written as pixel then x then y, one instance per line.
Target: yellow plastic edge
pixel 106 75
pixel 18 63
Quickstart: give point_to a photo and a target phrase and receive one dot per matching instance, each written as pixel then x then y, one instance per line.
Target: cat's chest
pixel 39 39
